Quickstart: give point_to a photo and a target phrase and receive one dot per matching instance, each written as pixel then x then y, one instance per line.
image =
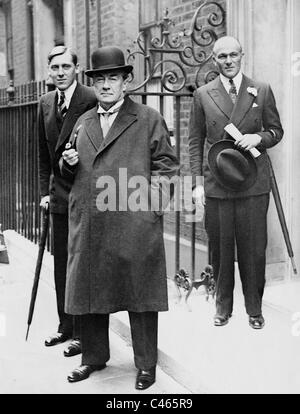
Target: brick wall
pixel 80 31
pixel 181 12
pixel 119 22
pixel 119 25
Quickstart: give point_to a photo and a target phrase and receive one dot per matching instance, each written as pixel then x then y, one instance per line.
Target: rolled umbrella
pixel 281 216
pixel 42 243
pixel 236 135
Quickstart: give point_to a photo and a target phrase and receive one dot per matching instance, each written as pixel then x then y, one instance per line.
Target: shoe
pixel 257 322
pixel 221 320
pixel 55 339
pixel 74 348
pixel 145 378
pixel 83 372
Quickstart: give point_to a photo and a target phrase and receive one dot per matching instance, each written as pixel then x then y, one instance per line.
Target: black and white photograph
pixel 149 199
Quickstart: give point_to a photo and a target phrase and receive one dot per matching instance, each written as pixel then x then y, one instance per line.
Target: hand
pixel 71 156
pixel 198 196
pixel 45 202
pixel 249 141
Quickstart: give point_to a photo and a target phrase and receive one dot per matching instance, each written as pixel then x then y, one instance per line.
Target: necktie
pixel 232 91
pixel 62 108
pixel 105 124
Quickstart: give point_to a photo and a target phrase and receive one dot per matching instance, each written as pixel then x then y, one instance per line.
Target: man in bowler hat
pixel 58 112
pixel 233 186
pixel 116 252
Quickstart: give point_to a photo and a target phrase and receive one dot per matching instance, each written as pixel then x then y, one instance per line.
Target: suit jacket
pixel 52 141
pixel 212 110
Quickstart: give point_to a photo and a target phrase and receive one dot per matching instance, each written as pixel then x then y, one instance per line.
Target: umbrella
pixel 236 134
pixel 45 226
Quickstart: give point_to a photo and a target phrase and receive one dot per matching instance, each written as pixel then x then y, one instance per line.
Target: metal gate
pixel 169 64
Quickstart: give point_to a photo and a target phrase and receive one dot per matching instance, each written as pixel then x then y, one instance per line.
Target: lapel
pixel 93 128
pixel 244 102
pixel 75 110
pixel 50 117
pixel 218 94
pixel 126 116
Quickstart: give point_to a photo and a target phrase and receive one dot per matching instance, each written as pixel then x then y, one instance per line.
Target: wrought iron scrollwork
pixel 189 48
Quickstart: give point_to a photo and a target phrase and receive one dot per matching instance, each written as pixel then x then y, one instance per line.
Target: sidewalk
pixel 31 368
pixel 199 357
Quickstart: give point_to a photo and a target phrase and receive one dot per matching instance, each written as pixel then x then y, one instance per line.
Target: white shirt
pixel 237 81
pixel 113 109
pixel 68 93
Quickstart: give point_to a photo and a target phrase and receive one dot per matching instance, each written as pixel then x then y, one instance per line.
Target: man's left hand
pixel 249 141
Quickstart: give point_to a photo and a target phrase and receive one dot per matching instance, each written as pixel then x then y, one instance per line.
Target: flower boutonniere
pixel 252 91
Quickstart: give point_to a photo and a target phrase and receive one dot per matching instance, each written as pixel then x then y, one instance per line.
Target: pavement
pixel 31 368
pixel 195 357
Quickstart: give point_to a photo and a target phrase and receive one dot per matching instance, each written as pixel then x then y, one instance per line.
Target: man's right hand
pixel 45 202
pixel 70 156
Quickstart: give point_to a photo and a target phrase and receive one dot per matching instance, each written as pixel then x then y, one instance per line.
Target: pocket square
pixel 254 105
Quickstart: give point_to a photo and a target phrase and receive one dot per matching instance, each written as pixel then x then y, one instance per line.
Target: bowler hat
pixel 234 168
pixel 108 58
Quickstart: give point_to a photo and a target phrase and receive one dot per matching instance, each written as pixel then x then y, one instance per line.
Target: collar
pixel 68 92
pixel 237 81
pixel 112 109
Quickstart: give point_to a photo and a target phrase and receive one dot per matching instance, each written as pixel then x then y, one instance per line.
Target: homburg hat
pixel 108 58
pixel 233 168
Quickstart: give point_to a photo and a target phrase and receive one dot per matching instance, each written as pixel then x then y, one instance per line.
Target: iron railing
pixel 19 187
pixel 173 66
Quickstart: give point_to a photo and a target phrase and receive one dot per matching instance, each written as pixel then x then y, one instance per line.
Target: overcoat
pixel 52 142
pixel 116 257
pixel 255 112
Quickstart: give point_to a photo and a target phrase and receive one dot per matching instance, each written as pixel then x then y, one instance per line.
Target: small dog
pixel 182 280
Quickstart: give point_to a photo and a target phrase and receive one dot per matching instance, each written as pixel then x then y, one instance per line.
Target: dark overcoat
pixel 52 140
pixel 116 257
pixel 255 112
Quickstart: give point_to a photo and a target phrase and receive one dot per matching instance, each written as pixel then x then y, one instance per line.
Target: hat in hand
pixel 233 168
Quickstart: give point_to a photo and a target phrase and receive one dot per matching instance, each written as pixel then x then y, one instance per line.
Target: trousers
pixel 94 335
pixel 68 324
pixel 240 223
